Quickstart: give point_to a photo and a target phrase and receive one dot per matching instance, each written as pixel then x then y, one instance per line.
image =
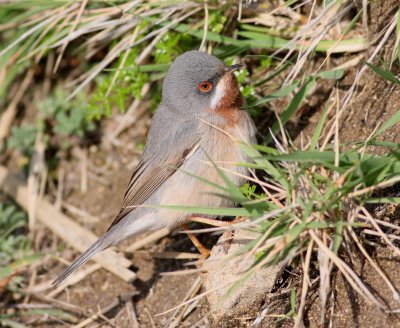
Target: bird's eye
pixel 205 86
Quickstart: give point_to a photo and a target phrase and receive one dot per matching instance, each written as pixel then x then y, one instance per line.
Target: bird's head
pixel 197 82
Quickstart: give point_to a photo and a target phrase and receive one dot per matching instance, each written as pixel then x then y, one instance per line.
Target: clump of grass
pixel 313 205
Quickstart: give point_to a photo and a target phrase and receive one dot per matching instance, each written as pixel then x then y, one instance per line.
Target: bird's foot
pixel 204 251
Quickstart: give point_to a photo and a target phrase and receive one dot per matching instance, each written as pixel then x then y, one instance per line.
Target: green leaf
pixel 323 157
pixel 395 119
pixel 319 127
pixel 18 264
pixel 11 323
pixel 221 211
pixel 283 92
pixel 153 68
pixel 264 40
pixel 338 236
pixel 56 313
pixel 396 53
pixel 335 74
pixel 292 107
pixel 293 300
pixel 211 36
pixel 348 45
pixel 389 76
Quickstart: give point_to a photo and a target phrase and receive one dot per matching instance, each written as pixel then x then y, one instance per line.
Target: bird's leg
pixel 205 253
pixel 216 223
pixel 200 247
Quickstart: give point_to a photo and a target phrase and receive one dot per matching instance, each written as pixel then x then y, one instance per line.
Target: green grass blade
pixel 396 52
pixel 348 45
pixel 389 76
pixel 55 313
pixel 353 22
pixel 337 241
pixel 263 162
pixel 283 92
pixel 395 119
pixel 263 40
pixel 11 323
pixel 319 127
pixel 335 74
pixel 220 211
pixel 292 107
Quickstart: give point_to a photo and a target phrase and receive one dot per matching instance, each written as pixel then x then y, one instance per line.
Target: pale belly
pixel 189 185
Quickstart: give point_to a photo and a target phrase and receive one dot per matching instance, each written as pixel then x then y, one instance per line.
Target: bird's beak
pixel 230 69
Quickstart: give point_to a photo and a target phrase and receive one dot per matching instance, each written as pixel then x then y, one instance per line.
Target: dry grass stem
pixel 67 229
pixel 349 274
pixel 132 317
pixel 175 319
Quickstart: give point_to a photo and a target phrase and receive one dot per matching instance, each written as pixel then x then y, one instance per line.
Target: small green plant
pixel 249 191
pixel 114 92
pixel 15 248
pixel 15 255
pixel 63 118
pixel 14 243
pixel 60 123
pixel 126 79
pixel 167 49
pixel 22 138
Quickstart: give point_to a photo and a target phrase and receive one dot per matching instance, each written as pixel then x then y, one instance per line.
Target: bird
pixel 198 126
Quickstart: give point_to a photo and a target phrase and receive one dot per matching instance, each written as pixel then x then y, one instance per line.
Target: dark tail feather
pixel 101 244
pixel 113 236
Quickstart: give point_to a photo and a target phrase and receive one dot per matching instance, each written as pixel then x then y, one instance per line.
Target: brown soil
pixel 378 99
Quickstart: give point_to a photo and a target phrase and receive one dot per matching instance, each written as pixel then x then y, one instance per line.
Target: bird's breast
pixel 220 146
pixel 222 135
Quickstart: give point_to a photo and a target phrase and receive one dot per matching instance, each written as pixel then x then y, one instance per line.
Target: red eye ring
pixel 205 86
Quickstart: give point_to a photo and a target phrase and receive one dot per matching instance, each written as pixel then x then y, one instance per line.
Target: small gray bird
pixel 199 121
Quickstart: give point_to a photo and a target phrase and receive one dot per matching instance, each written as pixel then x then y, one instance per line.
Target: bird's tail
pixel 98 246
pixel 113 236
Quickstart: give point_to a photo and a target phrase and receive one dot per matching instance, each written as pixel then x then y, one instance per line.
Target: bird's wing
pixel 150 174
pixel 155 167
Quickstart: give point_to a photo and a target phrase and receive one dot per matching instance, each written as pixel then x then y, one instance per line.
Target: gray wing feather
pixel 166 157
pixel 171 141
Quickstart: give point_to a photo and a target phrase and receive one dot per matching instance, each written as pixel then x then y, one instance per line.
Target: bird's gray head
pixel 197 82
